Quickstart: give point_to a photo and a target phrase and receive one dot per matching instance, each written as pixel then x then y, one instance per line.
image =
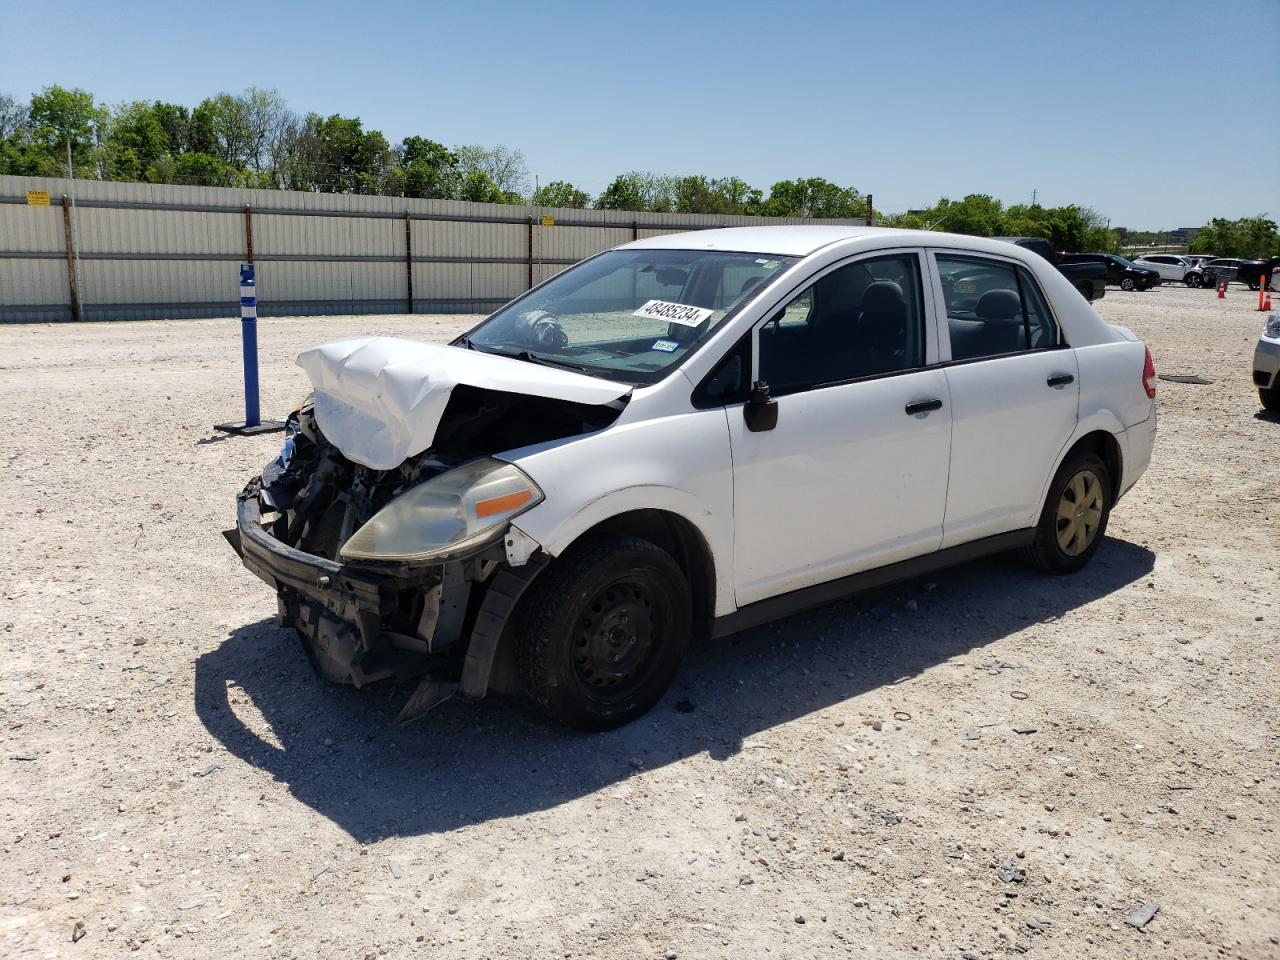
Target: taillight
pixel 1149 375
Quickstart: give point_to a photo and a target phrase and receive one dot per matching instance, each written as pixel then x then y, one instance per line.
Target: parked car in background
pixel 656 446
pixel 1196 276
pixel 1266 364
pixel 1171 266
pixel 1088 278
pixel 1222 270
pixel 1265 271
pixel 1120 272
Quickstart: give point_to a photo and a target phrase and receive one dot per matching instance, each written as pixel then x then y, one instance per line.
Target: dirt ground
pixel 176 782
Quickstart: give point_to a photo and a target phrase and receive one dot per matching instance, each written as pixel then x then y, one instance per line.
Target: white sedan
pixel 683 437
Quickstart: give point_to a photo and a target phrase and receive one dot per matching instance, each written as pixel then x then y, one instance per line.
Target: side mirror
pixel 760 410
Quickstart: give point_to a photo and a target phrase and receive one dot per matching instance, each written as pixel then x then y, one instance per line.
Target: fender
pixel 1104 420
pixel 716 531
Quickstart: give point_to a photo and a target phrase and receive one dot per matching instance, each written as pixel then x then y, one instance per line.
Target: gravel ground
pixel 176 782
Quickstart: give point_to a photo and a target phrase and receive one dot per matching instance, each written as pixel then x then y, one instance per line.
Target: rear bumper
pixel 1136 445
pixel 1266 363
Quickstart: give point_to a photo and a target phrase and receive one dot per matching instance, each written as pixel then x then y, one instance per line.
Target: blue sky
pixel 1157 114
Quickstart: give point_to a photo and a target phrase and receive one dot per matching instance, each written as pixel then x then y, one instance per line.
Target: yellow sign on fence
pixel 38 198
pixel 548 221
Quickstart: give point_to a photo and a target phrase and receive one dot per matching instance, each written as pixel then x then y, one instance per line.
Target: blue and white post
pixel 249 343
pixel 253 422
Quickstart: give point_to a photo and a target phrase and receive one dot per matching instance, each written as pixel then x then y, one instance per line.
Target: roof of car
pixel 800 240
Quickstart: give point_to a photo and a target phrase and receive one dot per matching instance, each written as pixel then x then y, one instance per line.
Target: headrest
pixel 998 305
pixel 882 297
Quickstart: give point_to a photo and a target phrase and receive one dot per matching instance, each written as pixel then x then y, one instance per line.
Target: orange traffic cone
pixel 1222 290
pixel 1265 303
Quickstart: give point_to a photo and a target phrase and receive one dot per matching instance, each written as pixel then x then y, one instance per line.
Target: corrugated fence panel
pixel 31 229
pixel 169 250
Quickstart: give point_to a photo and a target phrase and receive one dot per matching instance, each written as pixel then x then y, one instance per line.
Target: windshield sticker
pixel 680 313
pixel 768 264
pixel 666 346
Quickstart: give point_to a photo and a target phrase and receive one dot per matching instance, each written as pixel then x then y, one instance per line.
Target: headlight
pixel 1273 326
pixel 445 514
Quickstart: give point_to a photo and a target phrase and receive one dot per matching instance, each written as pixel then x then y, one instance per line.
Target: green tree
pixel 813 197
pixel 59 116
pixel 1252 238
pixel 136 142
pixel 639 191
pixel 201 169
pixel 561 193
pixel 504 166
pixel 429 168
pixel 478 187
pixel 337 155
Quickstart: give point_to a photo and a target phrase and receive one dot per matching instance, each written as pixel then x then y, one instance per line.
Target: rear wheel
pixel 1270 398
pixel 603 632
pixel 1075 515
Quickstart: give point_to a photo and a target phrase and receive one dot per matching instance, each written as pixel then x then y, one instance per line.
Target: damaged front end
pixel 412 571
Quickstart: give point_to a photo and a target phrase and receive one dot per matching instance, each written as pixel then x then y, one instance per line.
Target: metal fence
pixel 133 251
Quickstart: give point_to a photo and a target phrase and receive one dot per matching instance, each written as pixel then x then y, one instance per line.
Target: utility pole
pixel 1033 196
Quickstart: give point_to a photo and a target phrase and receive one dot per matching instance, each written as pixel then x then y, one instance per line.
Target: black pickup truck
pixel 1089 278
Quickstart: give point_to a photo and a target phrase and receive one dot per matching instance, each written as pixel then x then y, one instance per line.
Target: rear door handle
pixel 923 406
pixel 1060 379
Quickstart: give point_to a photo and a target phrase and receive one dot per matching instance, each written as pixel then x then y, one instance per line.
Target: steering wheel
pixel 540 328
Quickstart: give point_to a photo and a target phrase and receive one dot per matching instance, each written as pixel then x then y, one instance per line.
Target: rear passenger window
pixel 862 320
pixel 993 308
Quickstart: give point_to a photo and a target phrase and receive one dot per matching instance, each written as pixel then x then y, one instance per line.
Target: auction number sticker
pixel 680 313
pixel 665 346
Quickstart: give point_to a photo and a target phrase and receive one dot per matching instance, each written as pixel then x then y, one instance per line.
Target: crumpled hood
pixel 380 399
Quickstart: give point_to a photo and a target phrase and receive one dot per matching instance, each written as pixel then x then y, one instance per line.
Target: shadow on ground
pixel 471 762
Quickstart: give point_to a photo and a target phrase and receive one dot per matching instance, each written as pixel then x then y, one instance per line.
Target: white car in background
pixel 1171 267
pixel 683 437
pixel 1266 360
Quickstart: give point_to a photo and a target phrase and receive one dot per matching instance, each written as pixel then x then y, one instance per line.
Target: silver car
pixel 1266 360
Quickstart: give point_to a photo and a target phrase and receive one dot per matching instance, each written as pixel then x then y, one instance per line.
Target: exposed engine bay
pixel 370 620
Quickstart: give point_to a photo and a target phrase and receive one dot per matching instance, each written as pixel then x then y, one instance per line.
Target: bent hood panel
pixel 380 399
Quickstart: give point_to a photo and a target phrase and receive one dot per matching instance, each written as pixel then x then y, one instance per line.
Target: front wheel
pixel 1192 280
pixel 1270 398
pixel 603 632
pixel 1127 283
pixel 1075 515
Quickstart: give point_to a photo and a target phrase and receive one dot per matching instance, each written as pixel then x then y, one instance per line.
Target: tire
pixel 1082 491
pixel 1086 291
pixel 1270 398
pixel 1253 285
pixel 1192 280
pixel 603 632
pixel 1127 283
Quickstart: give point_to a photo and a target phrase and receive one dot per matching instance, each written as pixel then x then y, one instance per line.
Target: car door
pixel 1014 393
pixel 854 473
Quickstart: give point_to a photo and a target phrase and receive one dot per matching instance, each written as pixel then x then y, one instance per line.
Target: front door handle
pixel 1060 379
pixel 923 406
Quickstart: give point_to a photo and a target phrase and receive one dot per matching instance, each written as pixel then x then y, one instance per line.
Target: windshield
pixel 1116 258
pixel 628 315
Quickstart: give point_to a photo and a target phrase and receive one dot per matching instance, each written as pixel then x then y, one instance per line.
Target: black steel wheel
pixel 1074 519
pixel 603 632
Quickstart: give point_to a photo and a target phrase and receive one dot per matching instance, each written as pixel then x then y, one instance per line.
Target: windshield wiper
pixel 530 357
